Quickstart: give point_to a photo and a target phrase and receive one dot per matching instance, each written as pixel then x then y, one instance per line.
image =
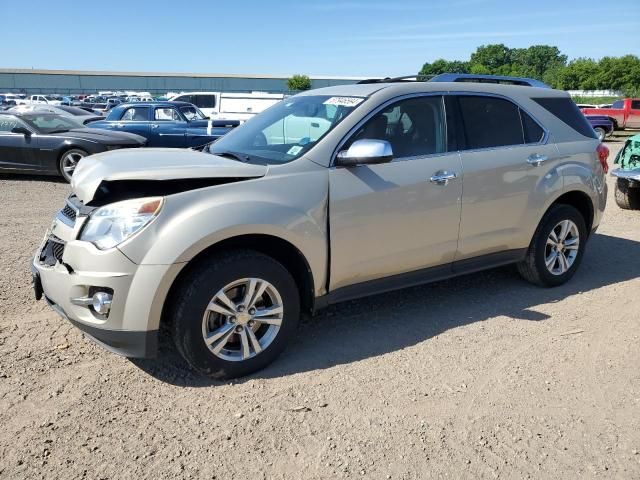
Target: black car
pixel 50 144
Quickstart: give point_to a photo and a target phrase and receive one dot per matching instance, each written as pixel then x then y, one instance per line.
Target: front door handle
pixel 536 159
pixel 154 126
pixel 442 177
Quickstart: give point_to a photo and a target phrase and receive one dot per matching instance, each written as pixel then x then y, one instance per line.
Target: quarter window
pixel 533 132
pixel 413 127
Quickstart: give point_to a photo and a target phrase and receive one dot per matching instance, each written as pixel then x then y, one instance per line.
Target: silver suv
pixel 330 195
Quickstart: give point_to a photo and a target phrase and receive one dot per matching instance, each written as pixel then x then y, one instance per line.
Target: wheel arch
pixel 275 247
pixel 581 201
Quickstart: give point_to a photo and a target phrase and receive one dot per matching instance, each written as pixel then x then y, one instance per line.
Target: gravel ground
pixel 481 376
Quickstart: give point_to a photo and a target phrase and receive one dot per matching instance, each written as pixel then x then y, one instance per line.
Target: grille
pixel 69 212
pixel 52 251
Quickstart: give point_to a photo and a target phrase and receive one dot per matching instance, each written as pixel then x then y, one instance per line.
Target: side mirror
pixel 365 152
pixel 22 131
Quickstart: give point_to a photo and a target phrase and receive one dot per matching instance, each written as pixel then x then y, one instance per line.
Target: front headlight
pixel 112 224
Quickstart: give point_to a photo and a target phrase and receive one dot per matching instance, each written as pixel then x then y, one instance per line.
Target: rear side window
pixel 205 101
pixel 136 114
pixel 490 122
pixel 635 104
pixel 567 111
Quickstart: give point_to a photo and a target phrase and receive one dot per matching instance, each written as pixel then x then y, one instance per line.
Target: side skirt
pixel 419 277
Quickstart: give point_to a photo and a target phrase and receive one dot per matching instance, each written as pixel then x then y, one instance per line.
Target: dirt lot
pixel 482 376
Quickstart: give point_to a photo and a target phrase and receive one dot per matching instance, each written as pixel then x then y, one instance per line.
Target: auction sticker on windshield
pixel 344 101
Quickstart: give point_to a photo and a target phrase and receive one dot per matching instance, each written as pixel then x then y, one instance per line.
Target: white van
pixel 230 106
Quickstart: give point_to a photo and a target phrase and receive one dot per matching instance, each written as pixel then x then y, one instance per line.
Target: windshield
pixel 51 123
pixel 287 130
pixel 192 113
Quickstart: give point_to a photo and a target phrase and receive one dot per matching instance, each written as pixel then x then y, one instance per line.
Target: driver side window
pixel 7 124
pixel 414 127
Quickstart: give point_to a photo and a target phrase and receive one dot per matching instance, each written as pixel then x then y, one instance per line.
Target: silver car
pixel 333 194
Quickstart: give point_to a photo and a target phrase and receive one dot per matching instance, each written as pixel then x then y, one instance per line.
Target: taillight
pixel 603 154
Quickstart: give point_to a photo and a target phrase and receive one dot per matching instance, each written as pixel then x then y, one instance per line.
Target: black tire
pixel 601 133
pixel 627 198
pixel 199 287
pixel 533 267
pixel 64 157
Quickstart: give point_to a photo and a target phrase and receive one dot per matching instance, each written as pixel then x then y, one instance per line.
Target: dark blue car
pixel 166 124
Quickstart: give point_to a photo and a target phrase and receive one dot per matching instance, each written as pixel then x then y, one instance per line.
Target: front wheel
pixel 69 161
pixel 234 313
pixel 556 248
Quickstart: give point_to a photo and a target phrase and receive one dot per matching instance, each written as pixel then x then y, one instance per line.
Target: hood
pixel 155 164
pixel 105 137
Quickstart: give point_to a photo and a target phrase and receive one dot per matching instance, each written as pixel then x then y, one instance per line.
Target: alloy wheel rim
pixel 242 319
pixel 70 162
pixel 562 247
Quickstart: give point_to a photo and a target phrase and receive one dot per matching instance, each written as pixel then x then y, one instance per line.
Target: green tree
pixel 444 66
pixel 579 74
pixel 299 83
pixel 493 56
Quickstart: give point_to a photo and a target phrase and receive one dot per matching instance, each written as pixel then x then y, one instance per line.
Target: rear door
pixel 505 157
pixel 397 217
pixel 168 128
pixel 135 119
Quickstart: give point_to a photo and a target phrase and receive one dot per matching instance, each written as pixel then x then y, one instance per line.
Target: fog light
pixel 101 302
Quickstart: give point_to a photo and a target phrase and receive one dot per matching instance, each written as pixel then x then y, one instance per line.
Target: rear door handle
pixel 442 177
pixel 536 159
pixel 154 125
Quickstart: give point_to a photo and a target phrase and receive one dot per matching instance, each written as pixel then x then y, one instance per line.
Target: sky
pixel 330 37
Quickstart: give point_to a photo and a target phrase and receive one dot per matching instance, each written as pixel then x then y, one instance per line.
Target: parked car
pixel 50 144
pixel 627 187
pixel 166 124
pixel 602 125
pixel 230 106
pixel 228 247
pixel 623 113
pixel 40 99
pixel 83 116
pixel 6 102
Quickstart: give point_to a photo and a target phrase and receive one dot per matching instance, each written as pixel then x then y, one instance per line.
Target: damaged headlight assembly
pixel 112 224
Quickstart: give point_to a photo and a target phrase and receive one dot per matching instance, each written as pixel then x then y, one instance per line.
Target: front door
pixel 400 216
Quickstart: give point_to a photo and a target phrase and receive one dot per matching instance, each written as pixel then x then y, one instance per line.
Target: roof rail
pixel 503 79
pixel 406 78
pixel 461 77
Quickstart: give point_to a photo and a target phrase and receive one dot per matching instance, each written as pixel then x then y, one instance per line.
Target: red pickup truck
pixel 623 113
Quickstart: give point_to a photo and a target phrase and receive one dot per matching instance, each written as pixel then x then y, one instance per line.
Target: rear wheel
pixel 627 198
pixel 235 313
pixel 69 161
pixel 601 133
pixel 557 247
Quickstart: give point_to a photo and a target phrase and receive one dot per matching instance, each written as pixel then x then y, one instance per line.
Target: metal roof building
pixel 76 82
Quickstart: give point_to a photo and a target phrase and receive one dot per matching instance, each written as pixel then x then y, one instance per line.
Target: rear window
pixel 568 112
pixel 618 104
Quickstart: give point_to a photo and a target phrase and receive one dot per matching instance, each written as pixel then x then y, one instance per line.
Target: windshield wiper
pixel 235 156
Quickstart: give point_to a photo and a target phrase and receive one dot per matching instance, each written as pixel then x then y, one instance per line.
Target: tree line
pixel 547 63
